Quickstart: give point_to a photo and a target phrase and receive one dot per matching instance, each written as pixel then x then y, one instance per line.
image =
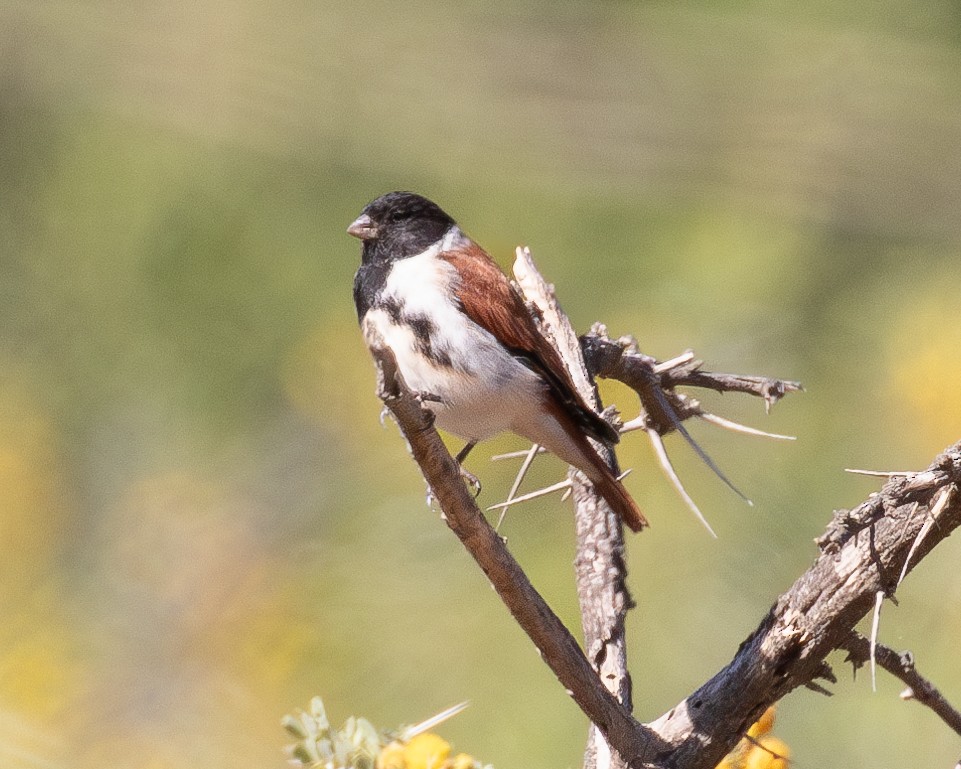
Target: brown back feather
pixel 492 302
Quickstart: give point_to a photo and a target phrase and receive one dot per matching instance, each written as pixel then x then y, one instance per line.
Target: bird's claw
pixel 469 478
pixel 472 480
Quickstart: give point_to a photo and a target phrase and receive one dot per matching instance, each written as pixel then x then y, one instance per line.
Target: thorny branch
pixel 664 409
pixel 655 382
pixel 863 552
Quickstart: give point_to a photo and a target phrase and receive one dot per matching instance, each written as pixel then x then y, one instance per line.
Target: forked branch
pixel 863 552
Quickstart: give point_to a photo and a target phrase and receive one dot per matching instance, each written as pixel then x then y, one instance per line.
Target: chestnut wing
pixel 490 300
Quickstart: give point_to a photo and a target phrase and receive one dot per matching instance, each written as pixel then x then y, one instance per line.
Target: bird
pixel 465 342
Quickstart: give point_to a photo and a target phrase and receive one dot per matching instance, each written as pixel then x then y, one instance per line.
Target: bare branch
pixel 557 646
pixel 902 666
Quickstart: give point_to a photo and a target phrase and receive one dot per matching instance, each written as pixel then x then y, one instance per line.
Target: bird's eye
pixel 398 216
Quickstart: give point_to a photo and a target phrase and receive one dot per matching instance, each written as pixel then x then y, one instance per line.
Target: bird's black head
pixel 398 225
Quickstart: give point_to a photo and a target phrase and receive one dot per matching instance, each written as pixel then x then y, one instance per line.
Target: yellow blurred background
pixel 202 522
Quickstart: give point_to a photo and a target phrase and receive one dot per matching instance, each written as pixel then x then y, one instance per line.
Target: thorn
pixel 736 427
pixel 638 423
pixel 525 466
pixel 668 468
pixel 881 473
pixel 532 495
pixel 430 723
pixel 516 454
pixel 685 357
pixel 875 622
pixel 679 426
pixel 928 525
pixel 815 687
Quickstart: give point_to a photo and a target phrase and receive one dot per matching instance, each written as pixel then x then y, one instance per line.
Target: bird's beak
pixel 363 228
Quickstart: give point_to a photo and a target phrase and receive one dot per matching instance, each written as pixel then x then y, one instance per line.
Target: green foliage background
pixel 202 522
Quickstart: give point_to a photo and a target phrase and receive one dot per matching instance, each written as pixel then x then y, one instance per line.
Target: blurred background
pixel 202 521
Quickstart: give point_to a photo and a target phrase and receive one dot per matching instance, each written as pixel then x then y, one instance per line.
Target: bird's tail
pixel 564 437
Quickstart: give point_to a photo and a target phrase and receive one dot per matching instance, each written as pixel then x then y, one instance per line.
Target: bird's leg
pixel 467 476
pixel 471 479
pixel 425 398
pixel 462 454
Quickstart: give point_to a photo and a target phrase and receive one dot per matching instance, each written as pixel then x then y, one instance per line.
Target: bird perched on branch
pixel 465 342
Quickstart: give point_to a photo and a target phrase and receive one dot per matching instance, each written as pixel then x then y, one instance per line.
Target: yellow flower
pixel 391 756
pixel 426 751
pixel 463 761
pixel 763 725
pixel 769 753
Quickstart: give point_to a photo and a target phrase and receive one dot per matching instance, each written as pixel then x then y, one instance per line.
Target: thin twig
pixel 901 666
pixel 620 359
pixel 758 744
pixel 664 409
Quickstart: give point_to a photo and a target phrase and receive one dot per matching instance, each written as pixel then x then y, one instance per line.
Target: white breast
pixel 482 389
